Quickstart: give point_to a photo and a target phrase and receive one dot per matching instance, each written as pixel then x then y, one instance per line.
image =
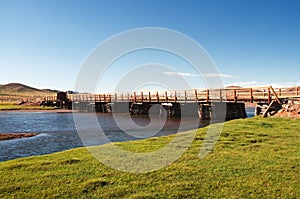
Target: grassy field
pixel 12 106
pixel 254 158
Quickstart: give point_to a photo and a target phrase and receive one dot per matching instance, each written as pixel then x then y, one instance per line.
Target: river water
pixel 57 131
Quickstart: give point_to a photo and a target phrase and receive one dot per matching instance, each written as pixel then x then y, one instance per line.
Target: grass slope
pixel 15 91
pixel 254 158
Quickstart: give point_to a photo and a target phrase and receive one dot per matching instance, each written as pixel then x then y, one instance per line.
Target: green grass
pixel 12 106
pixel 254 158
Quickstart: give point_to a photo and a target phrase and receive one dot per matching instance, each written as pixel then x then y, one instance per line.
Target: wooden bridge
pixel 203 103
pixel 252 95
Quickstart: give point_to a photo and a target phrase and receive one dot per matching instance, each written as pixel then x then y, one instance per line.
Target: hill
pixel 17 91
pixel 17 87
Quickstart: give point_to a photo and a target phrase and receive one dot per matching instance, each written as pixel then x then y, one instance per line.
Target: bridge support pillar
pixel 120 107
pixel 222 111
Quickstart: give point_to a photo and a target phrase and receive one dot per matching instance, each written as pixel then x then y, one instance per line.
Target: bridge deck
pixel 263 94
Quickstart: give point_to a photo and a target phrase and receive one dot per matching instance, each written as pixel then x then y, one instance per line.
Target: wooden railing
pixel 261 94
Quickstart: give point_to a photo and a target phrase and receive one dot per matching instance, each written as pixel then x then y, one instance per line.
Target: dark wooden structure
pixel 141 102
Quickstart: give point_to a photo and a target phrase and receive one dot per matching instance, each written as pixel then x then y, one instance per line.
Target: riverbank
pixel 29 107
pixel 11 136
pixel 257 158
pixel 39 110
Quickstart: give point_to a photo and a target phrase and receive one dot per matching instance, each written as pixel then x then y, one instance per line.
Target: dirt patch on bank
pixel 290 109
pixel 11 136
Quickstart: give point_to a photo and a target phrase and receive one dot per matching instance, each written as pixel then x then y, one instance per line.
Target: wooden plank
pixel 269 95
pixel 275 94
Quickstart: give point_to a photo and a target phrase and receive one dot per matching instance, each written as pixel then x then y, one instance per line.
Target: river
pixel 57 131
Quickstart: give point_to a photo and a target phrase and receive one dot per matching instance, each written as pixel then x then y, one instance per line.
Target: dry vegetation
pixel 15 92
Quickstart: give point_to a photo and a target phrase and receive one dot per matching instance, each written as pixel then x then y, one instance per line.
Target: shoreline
pixel 39 110
pixel 12 136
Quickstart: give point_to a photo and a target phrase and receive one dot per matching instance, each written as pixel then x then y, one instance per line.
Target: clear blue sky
pixel 44 42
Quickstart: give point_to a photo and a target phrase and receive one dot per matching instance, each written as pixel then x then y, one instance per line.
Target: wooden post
pixel 104 97
pixel 221 99
pixel 196 96
pixel 175 96
pixel 207 95
pixel 128 98
pixel 142 96
pixel 157 96
pixel 109 98
pixel 166 96
pixel 297 93
pixel 279 92
pixel 116 97
pixel 234 95
pixel 269 95
pixel 251 95
pixel 185 96
pixel 134 99
pixel 149 97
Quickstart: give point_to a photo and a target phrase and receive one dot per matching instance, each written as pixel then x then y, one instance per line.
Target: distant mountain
pixel 20 91
pixel 16 87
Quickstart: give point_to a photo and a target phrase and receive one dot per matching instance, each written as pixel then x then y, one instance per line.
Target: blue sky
pixel 44 42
